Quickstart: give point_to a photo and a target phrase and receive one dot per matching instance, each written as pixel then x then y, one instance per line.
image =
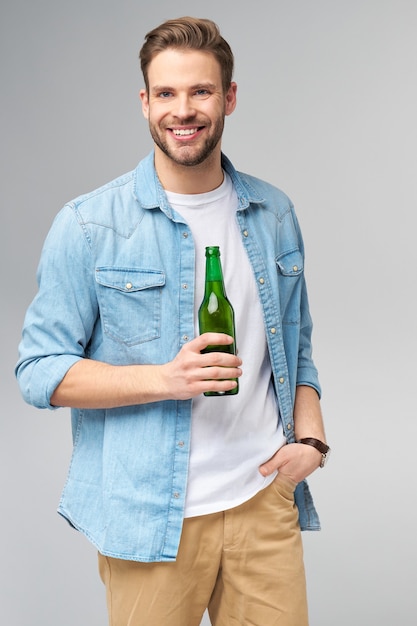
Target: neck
pixel 189 179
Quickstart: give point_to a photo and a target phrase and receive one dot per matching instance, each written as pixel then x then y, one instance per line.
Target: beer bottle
pixel 216 313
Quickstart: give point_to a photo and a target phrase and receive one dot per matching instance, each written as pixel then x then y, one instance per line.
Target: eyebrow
pixel 208 85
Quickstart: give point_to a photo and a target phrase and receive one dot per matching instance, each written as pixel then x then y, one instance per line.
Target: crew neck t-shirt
pixel 231 436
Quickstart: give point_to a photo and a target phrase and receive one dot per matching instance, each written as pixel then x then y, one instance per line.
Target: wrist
pixel 319 445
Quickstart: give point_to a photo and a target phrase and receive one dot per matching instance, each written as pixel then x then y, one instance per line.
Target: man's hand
pixel 92 384
pixel 191 373
pixel 295 460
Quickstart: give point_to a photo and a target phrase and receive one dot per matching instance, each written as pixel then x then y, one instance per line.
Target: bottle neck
pixel 214 275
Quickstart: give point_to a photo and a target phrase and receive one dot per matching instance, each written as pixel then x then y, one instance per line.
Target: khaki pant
pixel 245 564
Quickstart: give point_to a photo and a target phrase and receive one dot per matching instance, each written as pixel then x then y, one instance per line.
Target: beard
pixel 189 155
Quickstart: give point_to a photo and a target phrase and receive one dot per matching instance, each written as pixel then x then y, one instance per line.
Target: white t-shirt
pixel 231 435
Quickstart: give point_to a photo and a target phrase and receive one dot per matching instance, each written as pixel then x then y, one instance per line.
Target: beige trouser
pixel 245 564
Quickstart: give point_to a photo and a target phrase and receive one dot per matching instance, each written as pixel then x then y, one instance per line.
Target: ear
pixel 143 95
pixel 231 99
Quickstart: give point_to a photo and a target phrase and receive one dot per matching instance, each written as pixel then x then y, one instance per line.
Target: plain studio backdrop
pixel 327 101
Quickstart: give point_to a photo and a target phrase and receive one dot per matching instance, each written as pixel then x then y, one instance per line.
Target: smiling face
pixel 186 107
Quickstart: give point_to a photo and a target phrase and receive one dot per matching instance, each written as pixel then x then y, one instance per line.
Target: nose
pixel 184 108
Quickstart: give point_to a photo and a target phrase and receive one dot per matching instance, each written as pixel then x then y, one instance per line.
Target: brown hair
pixel 188 32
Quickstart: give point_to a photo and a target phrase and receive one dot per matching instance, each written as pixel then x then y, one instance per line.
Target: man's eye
pixel 202 92
pixel 164 94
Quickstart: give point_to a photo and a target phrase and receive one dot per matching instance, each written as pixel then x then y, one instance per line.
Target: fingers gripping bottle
pixel 216 313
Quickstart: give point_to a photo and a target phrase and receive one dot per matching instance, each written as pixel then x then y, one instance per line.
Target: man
pixel 189 499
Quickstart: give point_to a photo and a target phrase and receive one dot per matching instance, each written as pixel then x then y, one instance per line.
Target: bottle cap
pixel 212 251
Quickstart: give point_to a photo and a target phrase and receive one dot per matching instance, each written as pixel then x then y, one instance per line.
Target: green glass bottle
pixel 216 313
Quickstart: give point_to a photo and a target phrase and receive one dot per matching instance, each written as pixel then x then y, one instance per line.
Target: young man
pixel 189 499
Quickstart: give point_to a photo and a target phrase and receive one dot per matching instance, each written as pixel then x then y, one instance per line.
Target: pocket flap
pixel 290 263
pixel 129 279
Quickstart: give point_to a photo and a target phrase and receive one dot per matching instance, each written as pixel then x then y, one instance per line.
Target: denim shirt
pixel 116 284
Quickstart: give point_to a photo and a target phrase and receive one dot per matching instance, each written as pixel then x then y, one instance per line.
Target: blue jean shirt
pixel 116 284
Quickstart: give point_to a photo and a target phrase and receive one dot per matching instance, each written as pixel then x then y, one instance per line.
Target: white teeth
pixel 185 131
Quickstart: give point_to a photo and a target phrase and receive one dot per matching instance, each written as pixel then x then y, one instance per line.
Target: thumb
pixel 268 468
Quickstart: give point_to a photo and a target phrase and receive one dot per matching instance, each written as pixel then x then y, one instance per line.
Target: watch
pixel 320 446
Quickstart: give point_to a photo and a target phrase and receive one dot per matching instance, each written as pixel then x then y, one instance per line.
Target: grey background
pixel 327 104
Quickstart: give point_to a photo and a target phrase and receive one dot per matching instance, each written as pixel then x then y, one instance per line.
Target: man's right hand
pixel 191 373
pixel 90 384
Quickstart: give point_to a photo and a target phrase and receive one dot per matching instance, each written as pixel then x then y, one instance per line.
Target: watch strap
pixel 316 443
pixel 319 445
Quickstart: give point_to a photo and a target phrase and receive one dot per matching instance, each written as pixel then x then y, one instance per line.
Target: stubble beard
pixel 185 155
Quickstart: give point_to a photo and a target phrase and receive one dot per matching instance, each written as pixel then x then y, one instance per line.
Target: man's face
pixel 186 105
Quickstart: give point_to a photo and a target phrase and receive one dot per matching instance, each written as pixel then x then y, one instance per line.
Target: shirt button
pixel 262 281
pixel 185 286
pixel 281 380
pixel 185 235
pixel 295 268
pixel 288 426
pixel 181 444
pixel 245 233
pixel 185 337
pixel 273 331
pixel 176 495
pixel 129 285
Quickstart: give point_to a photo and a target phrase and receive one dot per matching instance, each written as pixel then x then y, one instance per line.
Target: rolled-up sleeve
pixel 59 322
pixel 307 373
pixel 306 370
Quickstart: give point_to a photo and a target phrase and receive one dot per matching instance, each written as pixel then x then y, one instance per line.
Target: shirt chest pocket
pixel 130 303
pixel 290 268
